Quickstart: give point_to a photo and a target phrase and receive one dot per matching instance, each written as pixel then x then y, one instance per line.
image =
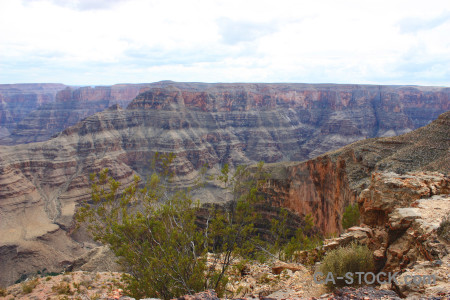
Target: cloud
pixel 83 4
pixel 234 32
pixel 414 25
pixel 110 41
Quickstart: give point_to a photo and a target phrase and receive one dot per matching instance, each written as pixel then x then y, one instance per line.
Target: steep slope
pixel 41 183
pixel 18 100
pixel 324 185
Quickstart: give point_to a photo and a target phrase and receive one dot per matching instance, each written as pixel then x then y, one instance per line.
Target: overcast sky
pixel 93 42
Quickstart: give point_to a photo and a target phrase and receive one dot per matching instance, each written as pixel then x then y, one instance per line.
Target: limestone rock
pixel 277 268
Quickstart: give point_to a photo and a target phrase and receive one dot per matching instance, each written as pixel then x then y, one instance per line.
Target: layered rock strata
pixel 42 183
pixel 70 106
pixel 324 185
pixel 18 100
pixel 337 114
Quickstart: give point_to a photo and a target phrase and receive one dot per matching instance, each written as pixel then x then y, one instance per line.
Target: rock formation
pixel 399 218
pixel 18 100
pixel 41 183
pixel 324 185
pixel 325 116
pixel 70 106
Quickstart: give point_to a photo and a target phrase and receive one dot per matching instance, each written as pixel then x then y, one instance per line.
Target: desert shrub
pixel 352 258
pixel 287 241
pixel 351 216
pixel 444 229
pixel 28 286
pixel 154 231
pixel 242 268
pixel 86 282
pixel 62 288
pixel 3 292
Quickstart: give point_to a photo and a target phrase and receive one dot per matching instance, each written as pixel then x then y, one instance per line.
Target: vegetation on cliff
pixel 154 231
pixel 161 243
pixel 444 229
pixel 352 258
pixel 350 217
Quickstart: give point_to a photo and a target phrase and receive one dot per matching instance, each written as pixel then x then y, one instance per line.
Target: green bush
pixel 3 292
pixel 154 231
pixel 351 216
pixel 352 258
pixel 28 287
pixel 63 288
pixel 444 229
pixel 287 241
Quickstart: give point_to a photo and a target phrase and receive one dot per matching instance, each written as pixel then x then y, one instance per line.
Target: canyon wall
pixel 70 106
pixel 344 113
pixel 18 100
pixel 323 186
pixel 42 183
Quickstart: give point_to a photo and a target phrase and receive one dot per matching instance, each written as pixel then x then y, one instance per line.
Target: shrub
pixel 3 292
pixel 28 287
pixel 63 288
pixel 154 232
pixel 444 229
pixel 287 241
pixel 352 258
pixel 351 216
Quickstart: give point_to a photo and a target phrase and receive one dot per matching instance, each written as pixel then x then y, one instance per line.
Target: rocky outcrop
pixel 324 185
pixel 203 124
pixel 18 100
pixel 399 218
pixel 318 187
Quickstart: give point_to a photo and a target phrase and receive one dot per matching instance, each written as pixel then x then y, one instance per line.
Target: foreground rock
pixel 259 282
pixel 361 293
pixel 399 216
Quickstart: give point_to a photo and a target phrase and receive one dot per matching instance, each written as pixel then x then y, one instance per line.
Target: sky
pixel 103 42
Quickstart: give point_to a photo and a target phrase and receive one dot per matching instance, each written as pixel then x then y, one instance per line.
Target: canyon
pixel 18 100
pixel 42 183
pixel 35 112
pixel 324 185
pixel 62 107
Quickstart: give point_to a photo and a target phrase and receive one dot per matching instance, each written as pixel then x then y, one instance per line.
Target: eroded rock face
pixel 41 183
pixel 318 187
pixel 389 197
pixel 324 185
pixel 337 114
pixel 408 208
pixel 71 105
pixel 399 218
pixel 18 100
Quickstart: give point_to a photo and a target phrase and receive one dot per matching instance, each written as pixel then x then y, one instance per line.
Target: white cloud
pixel 109 41
pixel 416 24
pixel 82 4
